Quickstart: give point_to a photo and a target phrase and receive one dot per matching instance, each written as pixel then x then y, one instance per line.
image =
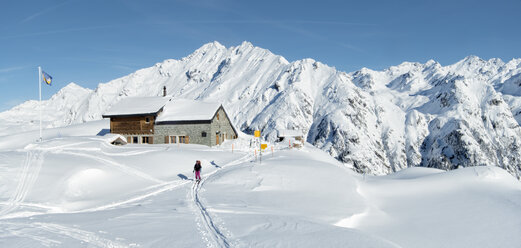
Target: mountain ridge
pixel 412 114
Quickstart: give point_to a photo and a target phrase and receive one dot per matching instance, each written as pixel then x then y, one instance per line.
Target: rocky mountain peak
pixel 412 114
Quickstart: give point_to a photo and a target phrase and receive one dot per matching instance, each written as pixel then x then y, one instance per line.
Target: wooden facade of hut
pixel 160 120
pixel 134 118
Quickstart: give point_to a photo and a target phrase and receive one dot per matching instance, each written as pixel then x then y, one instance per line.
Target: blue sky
pixel 95 41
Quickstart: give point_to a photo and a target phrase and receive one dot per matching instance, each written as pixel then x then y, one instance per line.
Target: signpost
pixel 263 147
pixel 257 135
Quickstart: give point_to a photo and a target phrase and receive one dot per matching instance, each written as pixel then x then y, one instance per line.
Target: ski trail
pixel 124 168
pixel 161 189
pixel 23 233
pixel 78 234
pixel 31 167
pixel 92 239
pixel 58 147
pixel 48 208
pixel 131 151
pixel 216 234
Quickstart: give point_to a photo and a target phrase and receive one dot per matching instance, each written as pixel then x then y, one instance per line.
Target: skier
pixel 197 170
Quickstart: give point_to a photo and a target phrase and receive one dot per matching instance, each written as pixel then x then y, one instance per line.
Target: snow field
pixel 76 191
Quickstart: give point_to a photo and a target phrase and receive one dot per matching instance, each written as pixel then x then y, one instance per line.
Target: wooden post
pixel 289 143
pixel 272 151
pixel 232 148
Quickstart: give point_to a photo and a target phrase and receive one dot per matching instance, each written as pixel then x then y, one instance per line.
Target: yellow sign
pixel 257 133
pixel 263 146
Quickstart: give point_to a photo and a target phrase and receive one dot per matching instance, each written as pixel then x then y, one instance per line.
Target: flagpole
pixel 40 93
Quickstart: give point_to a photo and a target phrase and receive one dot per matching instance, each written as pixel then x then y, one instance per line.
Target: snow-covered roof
pixel 289 133
pixel 137 106
pixel 111 137
pixel 188 110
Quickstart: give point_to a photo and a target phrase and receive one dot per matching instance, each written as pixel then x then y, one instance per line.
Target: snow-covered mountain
pixel 413 114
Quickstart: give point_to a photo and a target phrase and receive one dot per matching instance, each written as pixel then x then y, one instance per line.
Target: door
pixel 217 139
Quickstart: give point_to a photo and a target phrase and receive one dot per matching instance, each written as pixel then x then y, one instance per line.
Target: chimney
pixel 164 91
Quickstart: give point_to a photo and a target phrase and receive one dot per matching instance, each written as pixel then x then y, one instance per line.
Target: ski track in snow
pixel 124 168
pixel 31 167
pixel 90 238
pixel 81 235
pixel 161 189
pixel 218 238
pixel 10 231
pixel 129 153
pixel 77 144
pixel 133 151
pixel 215 232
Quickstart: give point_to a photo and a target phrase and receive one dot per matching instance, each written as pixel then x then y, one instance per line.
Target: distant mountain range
pixel 378 122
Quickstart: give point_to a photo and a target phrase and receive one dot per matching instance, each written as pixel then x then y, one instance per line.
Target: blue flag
pixel 47 78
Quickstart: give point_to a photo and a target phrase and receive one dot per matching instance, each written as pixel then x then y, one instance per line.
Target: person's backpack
pixel 197 167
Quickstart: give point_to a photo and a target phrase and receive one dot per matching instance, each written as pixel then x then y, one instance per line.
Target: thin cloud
pixel 29 18
pixel 123 67
pixel 56 32
pixel 331 23
pixel 10 69
pixel 262 22
pixel 316 36
pixel 289 25
pixel 349 46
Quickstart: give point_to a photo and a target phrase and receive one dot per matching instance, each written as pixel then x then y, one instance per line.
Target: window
pixel 147 120
pixel 183 139
pixel 203 134
pixel 173 139
pixel 145 140
pixel 135 140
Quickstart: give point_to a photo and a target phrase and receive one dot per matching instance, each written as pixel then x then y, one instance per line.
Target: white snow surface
pixel 378 122
pixel 76 190
pixel 137 105
pixel 186 109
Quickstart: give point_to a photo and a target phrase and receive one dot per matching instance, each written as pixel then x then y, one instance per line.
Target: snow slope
pixel 412 114
pixel 71 191
pixel 62 109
